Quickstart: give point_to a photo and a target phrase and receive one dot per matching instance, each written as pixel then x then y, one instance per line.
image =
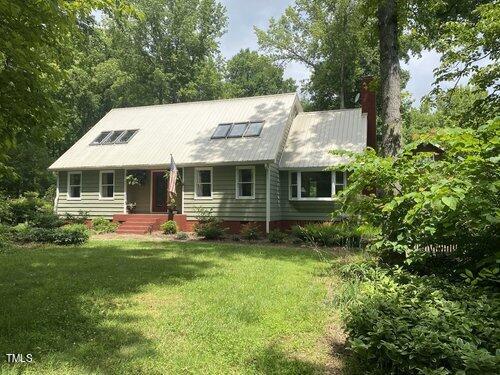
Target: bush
pixel 25 208
pixel 103 225
pixel 45 219
pixel 5 211
pixel 5 236
pixel 276 236
pixel 169 227
pixel 210 230
pixel 81 218
pixel 182 236
pixel 209 227
pixel 251 231
pixel 73 234
pixel 327 234
pixel 406 324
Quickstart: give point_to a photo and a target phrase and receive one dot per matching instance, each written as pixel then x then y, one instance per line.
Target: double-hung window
pixel 74 185
pixel 316 185
pixel 107 185
pixel 203 183
pixel 245 182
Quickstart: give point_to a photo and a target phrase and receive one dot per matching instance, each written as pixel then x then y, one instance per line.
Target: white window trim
pixel 299 186
pixel 238 169
pixel 68 188
pixel 196 170
pixel 101 185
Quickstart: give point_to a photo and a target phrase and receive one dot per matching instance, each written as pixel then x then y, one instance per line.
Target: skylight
pixel 254 129
pixel 100 138
pixel 113 137
pixel 238 129
pixel 221 131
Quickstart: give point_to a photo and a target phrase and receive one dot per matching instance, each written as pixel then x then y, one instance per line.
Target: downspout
pixel 182 191
pixel 56 199
pixel 268 196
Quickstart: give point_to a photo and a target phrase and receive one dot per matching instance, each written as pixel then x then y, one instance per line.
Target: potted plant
pixel 131 207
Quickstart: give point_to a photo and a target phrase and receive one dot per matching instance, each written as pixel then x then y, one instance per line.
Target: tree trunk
pixel 390 77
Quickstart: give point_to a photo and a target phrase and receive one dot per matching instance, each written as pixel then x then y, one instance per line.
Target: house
pixel 260 159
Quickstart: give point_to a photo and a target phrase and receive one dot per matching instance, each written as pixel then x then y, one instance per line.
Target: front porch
pixel 147 193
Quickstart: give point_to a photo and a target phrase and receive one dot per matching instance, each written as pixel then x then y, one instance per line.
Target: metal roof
pixel 314 134
pixel 184 130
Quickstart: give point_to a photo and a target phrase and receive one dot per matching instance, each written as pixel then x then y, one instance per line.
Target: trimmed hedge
pixel 73 234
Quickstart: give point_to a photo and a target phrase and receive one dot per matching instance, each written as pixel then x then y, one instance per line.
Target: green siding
pixel 301 210
pixel 275 192
pixel 90 201
pixel 224 203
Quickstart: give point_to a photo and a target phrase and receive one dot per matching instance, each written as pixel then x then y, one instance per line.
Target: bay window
pixel 316 185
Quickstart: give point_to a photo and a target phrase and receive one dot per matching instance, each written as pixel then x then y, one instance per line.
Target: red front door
pixel 159 197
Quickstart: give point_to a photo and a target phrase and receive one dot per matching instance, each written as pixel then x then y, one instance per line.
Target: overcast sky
pixel 245 14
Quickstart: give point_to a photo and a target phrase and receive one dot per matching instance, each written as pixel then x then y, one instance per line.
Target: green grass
pixel 159 307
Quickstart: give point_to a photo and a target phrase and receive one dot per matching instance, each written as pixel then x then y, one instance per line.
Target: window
pixel 221 131
pixel 254 129
pixel 100 138
pixel 340 181
pixel 107 185
pixel 203 183
pixel 245 182
pixel 113 136
pixel 74 185
pixel 237 130
pixel 126 136
pixel 316 185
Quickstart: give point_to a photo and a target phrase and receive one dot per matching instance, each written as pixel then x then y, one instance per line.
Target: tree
pixel 332 39
pixel 250 74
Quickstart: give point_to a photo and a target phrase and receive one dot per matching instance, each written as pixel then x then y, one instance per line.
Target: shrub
pixel 5 211
pixel 5 236
pixel 25 208
pixel 276 236
pixel 81 218
pixel 406 324
pixel 182 236
pixel 210 230
pixel 208 226
pixel 21 233
pixel 45 219
pixel 169 227
pixel 327 234
pixel 73 234
pixel 103 225
pixel 251 231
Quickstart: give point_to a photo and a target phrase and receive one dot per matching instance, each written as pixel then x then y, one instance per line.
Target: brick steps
pixel 139 223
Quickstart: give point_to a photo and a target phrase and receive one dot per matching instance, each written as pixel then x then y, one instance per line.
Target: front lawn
pixel 163 307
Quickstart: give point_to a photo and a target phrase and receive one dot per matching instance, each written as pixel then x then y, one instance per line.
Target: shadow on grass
pixel 64 303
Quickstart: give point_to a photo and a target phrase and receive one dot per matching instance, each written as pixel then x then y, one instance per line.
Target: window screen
pixel 254 129
pixel 237 130
pixel 221 131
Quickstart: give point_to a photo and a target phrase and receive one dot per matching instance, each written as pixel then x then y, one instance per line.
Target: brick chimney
pixel 368 106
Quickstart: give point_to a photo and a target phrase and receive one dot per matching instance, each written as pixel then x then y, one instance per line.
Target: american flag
pixel 172 178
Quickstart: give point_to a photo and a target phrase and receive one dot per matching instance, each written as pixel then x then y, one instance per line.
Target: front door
pixel 159 197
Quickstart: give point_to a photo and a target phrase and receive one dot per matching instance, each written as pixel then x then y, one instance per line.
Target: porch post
pixel 268 197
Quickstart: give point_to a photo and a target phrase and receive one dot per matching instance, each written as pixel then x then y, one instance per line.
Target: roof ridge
pixel 206 101
pixel 328 111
